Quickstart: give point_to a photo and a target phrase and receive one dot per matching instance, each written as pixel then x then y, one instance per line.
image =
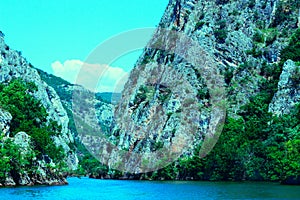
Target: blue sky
pixel 60 30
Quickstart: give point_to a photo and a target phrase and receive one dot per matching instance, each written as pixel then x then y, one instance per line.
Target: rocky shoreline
pixel 34 181
pixel 11 183
pixel 62 180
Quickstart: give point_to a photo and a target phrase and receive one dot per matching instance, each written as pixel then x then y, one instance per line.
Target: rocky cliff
pixel 168 101
pixel 13 66
pixel 207 61
pixel 82 121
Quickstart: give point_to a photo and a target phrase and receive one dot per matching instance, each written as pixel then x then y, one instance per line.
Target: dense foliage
pixel 30 116
pixel 292 51
pixel 12 160
pixel 221 32
pixel 88 165
pixel 256 146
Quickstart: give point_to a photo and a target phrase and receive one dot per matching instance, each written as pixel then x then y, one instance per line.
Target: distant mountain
pixel 60 85
pixel 109 97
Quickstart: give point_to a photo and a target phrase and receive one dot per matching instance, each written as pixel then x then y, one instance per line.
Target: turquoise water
pixel 91 189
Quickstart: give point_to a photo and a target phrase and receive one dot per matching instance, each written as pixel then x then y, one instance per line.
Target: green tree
pixel 13 160
pixel 30 116
pixel 292 51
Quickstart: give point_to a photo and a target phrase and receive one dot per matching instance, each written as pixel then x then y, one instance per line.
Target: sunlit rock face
pixel 167 104
pixel 288 94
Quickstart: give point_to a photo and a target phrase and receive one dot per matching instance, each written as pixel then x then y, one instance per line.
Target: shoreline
pixel 52 182
pixel 64 181
pixel 187 180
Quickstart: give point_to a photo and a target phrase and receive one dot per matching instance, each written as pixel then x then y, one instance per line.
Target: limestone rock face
pixel 288 94
pixel 45 176
pixel 150 111
pixel 14 66
pixel 85 120
pixel 5 118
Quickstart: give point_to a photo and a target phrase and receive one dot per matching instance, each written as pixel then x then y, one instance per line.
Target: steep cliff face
pixel 83 121
pixel 167 102
pixel 102 101
pixel 14 66
pixel 242 38
pixel 241 35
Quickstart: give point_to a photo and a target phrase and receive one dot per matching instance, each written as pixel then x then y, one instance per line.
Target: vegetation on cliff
pixel 28 115
pixel 256 144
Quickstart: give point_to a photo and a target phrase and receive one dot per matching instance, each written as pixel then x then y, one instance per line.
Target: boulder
pixel 9 181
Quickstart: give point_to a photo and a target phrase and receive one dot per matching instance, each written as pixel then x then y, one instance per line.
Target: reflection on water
pixel 29 193
pixel 91 189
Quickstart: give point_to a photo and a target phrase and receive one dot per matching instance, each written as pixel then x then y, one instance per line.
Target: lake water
pixel 92 189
